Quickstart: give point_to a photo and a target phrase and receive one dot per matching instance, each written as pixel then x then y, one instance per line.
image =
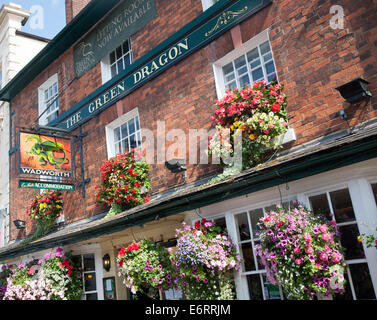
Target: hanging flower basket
pixel 205 261
pixel 124 183
pixel 146 267
pixel 55 277
pixel 301 252
pixel 45 209
pixel 257 115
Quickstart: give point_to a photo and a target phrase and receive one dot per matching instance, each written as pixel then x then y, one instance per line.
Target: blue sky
pixel 47 18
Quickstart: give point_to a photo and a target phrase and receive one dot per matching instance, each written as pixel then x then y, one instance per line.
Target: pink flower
pixel 298 261
pixel 333 222
pixel 326 236
pixel 309 250
pixel 324 256
pixel 307 237
pixel 296 250
pixel 323 228
pixel 336 258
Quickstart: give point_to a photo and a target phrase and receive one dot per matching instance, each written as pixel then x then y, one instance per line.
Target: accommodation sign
pixel 46 185
pixel 128 18
pixel 179 46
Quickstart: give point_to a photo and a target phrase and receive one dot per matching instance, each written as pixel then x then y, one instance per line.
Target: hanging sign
pixel 125 20
pixel 180 45
pixel 45 155
pixel 45 185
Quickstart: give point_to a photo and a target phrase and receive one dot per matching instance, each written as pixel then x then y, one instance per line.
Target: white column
pixel 365 210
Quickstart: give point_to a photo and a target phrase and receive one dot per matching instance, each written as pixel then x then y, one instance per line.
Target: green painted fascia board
pixel 73 31
pixel 196 23
pixel 288 171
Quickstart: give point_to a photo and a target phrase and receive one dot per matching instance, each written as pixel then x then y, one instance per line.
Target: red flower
pixel 197 224
pixel 280 224
pixel 69 272
pixel 122 252
pixel 275 108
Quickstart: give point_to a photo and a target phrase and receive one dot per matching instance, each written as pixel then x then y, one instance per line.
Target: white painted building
pixel 17 48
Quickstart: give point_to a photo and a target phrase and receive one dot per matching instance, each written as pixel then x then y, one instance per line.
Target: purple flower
pixel 205 280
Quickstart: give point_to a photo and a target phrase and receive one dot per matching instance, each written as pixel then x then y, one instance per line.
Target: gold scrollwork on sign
pixel 225 18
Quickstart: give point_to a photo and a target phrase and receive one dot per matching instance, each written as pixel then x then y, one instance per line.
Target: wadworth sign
pixel 44 155
pixel 205 28
pixel 125 20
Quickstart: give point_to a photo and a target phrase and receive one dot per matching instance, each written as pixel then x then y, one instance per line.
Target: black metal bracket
pixel 83 181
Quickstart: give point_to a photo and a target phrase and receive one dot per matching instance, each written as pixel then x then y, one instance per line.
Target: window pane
pixel 320 205
pixel 91 296
pixel 242 70
pixel 131 126
pixel 137 123
pixel 228 68
pixel 348 239
pixel 231 85
pixel 119 52
pixel 229 77
pixel 253 54
pixel 133 141
pixel 127 60
pixel 90 281
pixel 255 215
pixel 125 46
pixel 265 47
pixel 374 189
pixel 124 130
pixel 112 57
pixel 120 65
pixel 244 79
pixel 118 147
pixel 113 70
pixel 255 64
pixel 362 282
pixel 239 62
pixel 125 146
pixel 138 139
pixel 255 288
pixel 248 257
pixel 243 227
pixel 267 57
pixel 89 262
pixel 257 74
pixel 117 134
pixel 270 68
pixel 342 206
pixel 77 260
pixel 271 77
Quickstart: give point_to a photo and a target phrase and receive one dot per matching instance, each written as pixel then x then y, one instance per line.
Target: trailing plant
pixel 45 208
pixel 124 181
pixel 53 278
pixel 146 267
pixel 301 252
pixel 257 114
pixel 205 260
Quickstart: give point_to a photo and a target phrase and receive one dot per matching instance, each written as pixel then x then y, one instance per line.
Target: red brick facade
pixel 311 60
pixel 73 7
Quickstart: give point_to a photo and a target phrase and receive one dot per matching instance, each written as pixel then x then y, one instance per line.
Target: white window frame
pixel 236 53
pixel 106 66
pixel 208 3
pixel 115 124
pixel 41 100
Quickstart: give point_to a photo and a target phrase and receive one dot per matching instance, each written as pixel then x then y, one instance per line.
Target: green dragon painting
pixel 46 150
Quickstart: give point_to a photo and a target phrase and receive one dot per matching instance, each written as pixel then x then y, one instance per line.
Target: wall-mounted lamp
pixel 355 90
pixel 106 262
pixel 20 224
pixel 176 165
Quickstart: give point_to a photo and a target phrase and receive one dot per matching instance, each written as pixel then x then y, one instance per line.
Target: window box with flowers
pixel 124 183
pixel 256 114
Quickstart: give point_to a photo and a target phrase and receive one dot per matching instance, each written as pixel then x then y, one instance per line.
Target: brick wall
pixel 73 7
pixel 311 59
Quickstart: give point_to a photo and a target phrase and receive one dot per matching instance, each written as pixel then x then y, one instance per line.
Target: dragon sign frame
pixel 46 155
